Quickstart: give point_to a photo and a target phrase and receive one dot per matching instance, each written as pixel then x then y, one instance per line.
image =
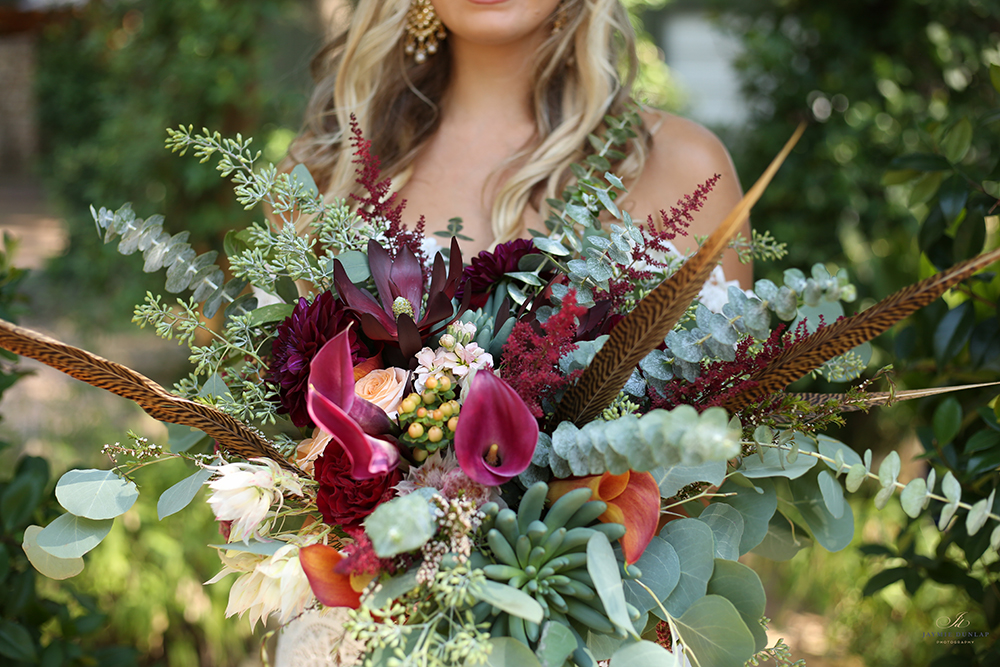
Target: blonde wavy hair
pixel 583 72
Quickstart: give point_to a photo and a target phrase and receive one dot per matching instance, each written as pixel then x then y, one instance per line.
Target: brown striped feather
pixel 876 399
pixel 812 352
pixel 232 435
pixel 654 317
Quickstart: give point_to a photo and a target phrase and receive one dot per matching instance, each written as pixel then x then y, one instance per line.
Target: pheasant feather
pixel 231 435
pixel 830 341
pixel 875 399
pixel 654 317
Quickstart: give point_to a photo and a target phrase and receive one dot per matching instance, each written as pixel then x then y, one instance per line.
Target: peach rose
pixel 383 387
pixel 311 449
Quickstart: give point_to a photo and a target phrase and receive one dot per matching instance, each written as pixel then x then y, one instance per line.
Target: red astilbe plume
pixel 719 381
pixel 532 353
pixel 671 225
pixel 380 204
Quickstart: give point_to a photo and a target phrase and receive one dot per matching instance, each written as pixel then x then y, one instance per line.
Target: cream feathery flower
pixel 267 585
pixel 244 492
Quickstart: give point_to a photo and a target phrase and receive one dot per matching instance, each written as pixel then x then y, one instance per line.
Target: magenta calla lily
pixel 497 434
pixel 348 418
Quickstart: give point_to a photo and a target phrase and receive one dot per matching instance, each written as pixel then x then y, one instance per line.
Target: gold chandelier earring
pixel 424 30
pixel 561 17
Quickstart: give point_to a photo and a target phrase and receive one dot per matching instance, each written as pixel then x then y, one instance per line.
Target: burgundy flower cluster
pixel 532 353
pixel 344 500
pixel 299 338
pixel 488 268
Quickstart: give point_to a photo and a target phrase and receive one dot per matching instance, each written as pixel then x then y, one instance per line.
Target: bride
pixel 477 108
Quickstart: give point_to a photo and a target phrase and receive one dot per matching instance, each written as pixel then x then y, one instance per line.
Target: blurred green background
pixel 876 81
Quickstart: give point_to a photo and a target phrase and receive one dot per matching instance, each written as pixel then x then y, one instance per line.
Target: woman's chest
pixel 460 176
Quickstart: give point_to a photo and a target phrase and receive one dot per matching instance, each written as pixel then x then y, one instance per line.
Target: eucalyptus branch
pixel 888 481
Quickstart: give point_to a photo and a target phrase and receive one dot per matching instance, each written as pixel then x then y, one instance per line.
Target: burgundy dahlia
pixel 488 268
pixel 343 500
pixel 300 337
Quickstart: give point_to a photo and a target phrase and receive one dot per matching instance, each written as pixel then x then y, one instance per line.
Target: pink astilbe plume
pixel 531 357
pixel 379 204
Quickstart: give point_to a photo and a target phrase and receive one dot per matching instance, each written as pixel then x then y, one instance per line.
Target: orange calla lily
pixel 633 500
pixel 333 589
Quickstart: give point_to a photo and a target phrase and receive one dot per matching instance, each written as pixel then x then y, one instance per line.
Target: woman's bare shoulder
pixel 683 156
pixel 682 151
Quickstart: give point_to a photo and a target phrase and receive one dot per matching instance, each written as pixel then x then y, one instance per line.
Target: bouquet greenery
pixel 554 455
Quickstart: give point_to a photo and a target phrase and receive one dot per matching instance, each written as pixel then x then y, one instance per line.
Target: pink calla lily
pixel 348 418
pixel 496 434
pixel 633 500
pixel 333 589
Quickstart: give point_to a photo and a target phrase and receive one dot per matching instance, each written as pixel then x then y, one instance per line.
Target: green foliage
pixel 114 76
pixel 659 438
pixel 907 138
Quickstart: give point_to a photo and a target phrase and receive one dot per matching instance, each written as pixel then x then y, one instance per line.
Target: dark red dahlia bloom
pixel 300 337
pixel 343 500
pixel 488 268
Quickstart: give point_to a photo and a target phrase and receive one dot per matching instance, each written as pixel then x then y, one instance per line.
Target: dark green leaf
pixel 19 500
pixel 969 238
pixel 925 188
pixel 957 142
pixel 275 312
pixel 947 420
pixel 932 229
pixel 285 288
pixel 952 197
pixel 984 343
pixel 920 162
pixel 883 579
pixel 15 642
pixel 953 332
pixel 981 440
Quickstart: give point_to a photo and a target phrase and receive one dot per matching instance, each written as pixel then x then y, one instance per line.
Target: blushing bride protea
pixel 267 585
pixel 244 492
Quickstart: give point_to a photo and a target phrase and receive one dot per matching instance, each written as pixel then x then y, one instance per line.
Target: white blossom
pixel 244 493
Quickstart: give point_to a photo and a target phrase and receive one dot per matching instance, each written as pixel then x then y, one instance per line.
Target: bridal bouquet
pixel 553 455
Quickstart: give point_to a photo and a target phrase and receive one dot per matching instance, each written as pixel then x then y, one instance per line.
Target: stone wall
pixel 18 125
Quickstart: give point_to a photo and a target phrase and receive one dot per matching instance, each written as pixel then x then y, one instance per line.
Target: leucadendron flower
pixel 496 434
pixel 633 500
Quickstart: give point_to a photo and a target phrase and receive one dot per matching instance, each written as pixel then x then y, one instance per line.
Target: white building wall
pixel 700 57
